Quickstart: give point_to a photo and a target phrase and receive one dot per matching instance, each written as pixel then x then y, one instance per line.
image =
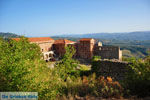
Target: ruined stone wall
pixel 46 46
pixel 59 49
pixel 115 69
pixel 108 52
pixel 85 49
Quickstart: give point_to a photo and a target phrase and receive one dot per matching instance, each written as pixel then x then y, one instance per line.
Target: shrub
pixel 100 87
pixel 96 58
pixel 109 88
pixel 138 79
pixel 95 63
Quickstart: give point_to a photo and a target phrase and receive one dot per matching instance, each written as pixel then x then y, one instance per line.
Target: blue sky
pixel 55 17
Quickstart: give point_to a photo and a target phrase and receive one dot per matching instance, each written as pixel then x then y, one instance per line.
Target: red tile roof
pixel 36 39
pixel 63 41
pixel 86 39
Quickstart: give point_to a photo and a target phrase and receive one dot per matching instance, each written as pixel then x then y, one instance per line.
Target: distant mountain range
pixel 139 35
pixel 8 35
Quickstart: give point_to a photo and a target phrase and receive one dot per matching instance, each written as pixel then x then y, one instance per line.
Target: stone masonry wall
pixel 46 46
pixel 59 49
pixel 108 52
pixel 85 49
pixel 115 69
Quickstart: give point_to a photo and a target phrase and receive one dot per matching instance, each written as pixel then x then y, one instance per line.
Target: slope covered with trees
pixel 8 35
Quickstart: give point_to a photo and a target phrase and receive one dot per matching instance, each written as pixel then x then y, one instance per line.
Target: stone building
pixel 86 48
pixel 108 52
pixel 59 46
pixel 45 43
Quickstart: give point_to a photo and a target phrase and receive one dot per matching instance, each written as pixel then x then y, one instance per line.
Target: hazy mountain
pixel 139 35
pixel 8 35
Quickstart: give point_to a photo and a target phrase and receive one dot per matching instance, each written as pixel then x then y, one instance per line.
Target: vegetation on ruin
pixel 22 69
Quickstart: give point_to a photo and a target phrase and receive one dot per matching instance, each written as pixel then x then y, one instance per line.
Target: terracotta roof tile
pixel 63 41
pixel 36 39
pixel 86 39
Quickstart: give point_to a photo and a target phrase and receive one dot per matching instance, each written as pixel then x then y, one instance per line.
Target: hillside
pixel 8 35
pixel 138 35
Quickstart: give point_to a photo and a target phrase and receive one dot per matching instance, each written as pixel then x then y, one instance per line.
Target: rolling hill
pixel 8 35
pixel 138 35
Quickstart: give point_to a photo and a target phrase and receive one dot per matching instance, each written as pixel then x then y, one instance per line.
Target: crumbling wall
pixel 115 69
pixel 85 49
pixel 59 49
pixel 108 52
pixel 46 46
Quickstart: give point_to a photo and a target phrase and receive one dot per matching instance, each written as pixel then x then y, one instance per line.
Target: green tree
pixel 67 65
pixel 17 61
pixel 22 69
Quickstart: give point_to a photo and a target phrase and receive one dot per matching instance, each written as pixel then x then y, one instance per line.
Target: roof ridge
pixel 35 39
pixel 65 41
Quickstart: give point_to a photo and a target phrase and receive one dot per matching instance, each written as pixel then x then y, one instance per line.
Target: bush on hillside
pixel 95 63
pixel 138 79
pixel 97 87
